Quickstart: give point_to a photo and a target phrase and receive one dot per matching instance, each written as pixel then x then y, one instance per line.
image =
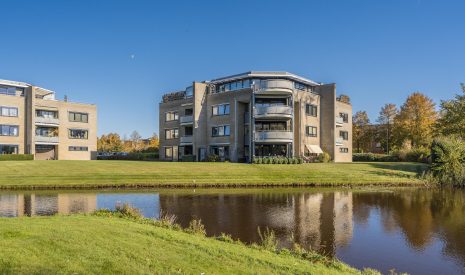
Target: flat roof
pixel 23 85
pixel 264 74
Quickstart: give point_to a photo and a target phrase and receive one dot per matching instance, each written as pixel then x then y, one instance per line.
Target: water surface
pixel 411 230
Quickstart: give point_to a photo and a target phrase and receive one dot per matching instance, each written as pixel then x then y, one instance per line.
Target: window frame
pixel 311 110
pixel 173 135
pixel 224 107
pixel 78 148
pixel 81 115
pixel 344 135
pixel 175 116
pixel 10 127
pixel 74 129
pixel 223 131
pixel 9 111
pixel 15 150
pixel 308 134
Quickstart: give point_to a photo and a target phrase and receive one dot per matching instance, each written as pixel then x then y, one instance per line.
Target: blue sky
pixel 123 55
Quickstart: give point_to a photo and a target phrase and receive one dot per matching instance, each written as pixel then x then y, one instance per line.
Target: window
pixel 78 148
pixel 344 135
pixel 47 114
pixel 78 134
pixel 6 149
pixel 171 116
pixel 78 117
pixel 311 131
pixel 188 131
pixel 9 130
pixel 189 91
pixel 345 117
pixel 46 131
pixel 188 112
pixel 300 86
pixel 8 111
pixel 311 110
pixel 270 126
pixel 171 133
pixel 232 86
pixel 221 151
pixel 169 152
pixel 219 131
pixel 7 91
pixel 220 110
pixel 344 150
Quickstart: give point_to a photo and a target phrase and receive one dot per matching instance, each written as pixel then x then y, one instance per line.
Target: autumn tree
pixel 361 130
pixel 136 141
pixel 415 121
pixel 386 118
pixel 452 116
pixel 109 143
pixel 154 143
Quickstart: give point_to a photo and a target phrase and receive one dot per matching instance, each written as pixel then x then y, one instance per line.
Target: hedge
pixel 374 157
pixel 132 156
pixel 16 157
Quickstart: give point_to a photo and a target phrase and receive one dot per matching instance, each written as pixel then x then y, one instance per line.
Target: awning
pixel 314 149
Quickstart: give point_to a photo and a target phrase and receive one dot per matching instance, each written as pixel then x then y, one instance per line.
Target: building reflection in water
pixel 25 204
pixel 314 220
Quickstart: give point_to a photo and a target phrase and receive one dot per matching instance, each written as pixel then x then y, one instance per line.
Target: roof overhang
pixel 263 74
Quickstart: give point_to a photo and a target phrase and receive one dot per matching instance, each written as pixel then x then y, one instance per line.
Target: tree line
pixel 414 125
pixel 112 142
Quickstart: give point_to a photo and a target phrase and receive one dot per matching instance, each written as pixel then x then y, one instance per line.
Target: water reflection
pixel 416 231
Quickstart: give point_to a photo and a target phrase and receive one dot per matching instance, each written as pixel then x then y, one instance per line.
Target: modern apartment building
pixel 32 121
pixel 255 114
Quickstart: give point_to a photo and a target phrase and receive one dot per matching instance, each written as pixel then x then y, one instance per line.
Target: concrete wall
pixel 328 117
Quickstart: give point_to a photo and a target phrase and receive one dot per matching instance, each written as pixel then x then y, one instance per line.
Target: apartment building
pixel 255 114
pixel 32 121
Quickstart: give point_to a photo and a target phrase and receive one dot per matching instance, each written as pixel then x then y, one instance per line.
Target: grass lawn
pixel 104 245
pixel 69 174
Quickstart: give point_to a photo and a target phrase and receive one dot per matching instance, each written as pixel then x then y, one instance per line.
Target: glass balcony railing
pixel 274 111
pixel 187 119
pixel 274 136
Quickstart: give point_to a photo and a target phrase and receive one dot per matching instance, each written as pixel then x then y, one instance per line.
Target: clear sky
pixel 123 55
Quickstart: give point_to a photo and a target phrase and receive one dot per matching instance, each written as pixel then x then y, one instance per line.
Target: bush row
pixel 374 157
pixel 277 160
pixel 411 155
pixel 16 157
pixel 131 156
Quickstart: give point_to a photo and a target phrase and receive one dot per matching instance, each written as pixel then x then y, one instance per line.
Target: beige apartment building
pixel 255 114
pixel 33 122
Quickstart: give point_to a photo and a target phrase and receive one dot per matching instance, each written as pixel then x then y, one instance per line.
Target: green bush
pixel 16 157
pixel 448 161
pixel 212 158
pixel 132 156
pixel 188 158
pixel 375 157
pixel 324 158
pixel 196 227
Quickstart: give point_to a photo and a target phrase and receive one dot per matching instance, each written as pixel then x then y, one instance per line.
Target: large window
pixel 300 86
pixel 46 131
pixel 48 114
pixel 78 134
pixel 311 131
pixel 232 86
pixel 171 152
pixel 219 131
pixel 188 112
pixel 6 149
pixel 8 111
pixel 9 130
pixel 271 126
pixel 345 117
pixel 188 131
pixel 171 116
pixel 171 133
pixel 221 151
pixel 7 90
pixel 78 117
pixel 78 148
pixel 220 110
pixel 344 135
pixel 311 110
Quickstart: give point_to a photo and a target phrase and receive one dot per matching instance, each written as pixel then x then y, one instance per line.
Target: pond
pixel 417 231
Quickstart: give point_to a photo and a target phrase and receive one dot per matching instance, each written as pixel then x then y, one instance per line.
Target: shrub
pixel 324 157
pixel 375 157
pixel 196 227
pixel 16 157
pixel 167 219
pixel 188 158
pixel 213 158
pixel 448 161
pixel 267 239
pixel 131 156
pixel 128 211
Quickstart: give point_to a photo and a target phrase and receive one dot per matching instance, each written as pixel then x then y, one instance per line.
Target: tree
pixel 154 143
pixel 386 118
pixel 109 143
pixel 361 130
pixel 415 121
pixel 452 115
pixel 136 142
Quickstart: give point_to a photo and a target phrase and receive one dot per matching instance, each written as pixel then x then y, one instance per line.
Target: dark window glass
pixel 6 149
pixel 78 134
pixel 78 117
pixel 9 130
pixel 344 135
pixel 311 110
pixel 311 131
pixel 78 148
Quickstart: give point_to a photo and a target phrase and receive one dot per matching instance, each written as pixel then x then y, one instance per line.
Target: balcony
pixel 274 136
pixel 47 120
pixel 186 140
pixel 339 121
pixel 275 87
pixel 46 139
pixel 273 112
pixel 187 120
pixel 339 141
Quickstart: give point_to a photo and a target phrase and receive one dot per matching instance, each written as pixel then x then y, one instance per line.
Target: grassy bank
pixel 87 174
pixel 108 245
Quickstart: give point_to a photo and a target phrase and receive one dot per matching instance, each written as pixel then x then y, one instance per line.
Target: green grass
pixel 86 174
pixel 105 245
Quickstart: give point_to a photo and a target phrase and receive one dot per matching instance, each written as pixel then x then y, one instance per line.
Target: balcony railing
pixel 186 139
pixel 339 120
pixel 277 85
pixel 339 141
pixel 187 119
pixel 274 136
pixel 274 111
pixel 47 120
pixel 46 139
